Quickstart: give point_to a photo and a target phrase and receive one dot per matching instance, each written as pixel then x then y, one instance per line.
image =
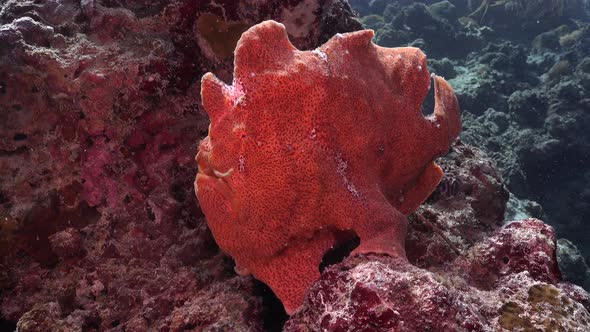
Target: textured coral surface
pixel 307 145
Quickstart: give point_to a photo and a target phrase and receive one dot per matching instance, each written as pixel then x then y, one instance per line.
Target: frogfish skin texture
pixel 306 146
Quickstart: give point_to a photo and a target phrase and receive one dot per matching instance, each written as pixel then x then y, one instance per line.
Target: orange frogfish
pixel 305 146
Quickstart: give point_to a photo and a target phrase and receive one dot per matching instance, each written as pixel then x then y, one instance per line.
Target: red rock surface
pixel 307 145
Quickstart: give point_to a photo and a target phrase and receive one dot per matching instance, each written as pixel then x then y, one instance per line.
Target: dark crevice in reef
pixel 17 151
pixel 273 313
pixel 337 254
pixel 7 325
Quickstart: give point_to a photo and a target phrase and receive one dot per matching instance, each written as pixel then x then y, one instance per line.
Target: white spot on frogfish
pixel 341 167
pixel 312 134
pixel 321 54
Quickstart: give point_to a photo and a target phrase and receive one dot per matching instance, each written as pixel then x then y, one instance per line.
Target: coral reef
pixel 533 125
pixel 572 264
pixel 522 80
pixel 306 146
pixel 101 118
pixel 466 207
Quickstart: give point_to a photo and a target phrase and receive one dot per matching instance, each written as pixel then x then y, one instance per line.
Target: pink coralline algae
pixel 526 246
pixel 66 243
